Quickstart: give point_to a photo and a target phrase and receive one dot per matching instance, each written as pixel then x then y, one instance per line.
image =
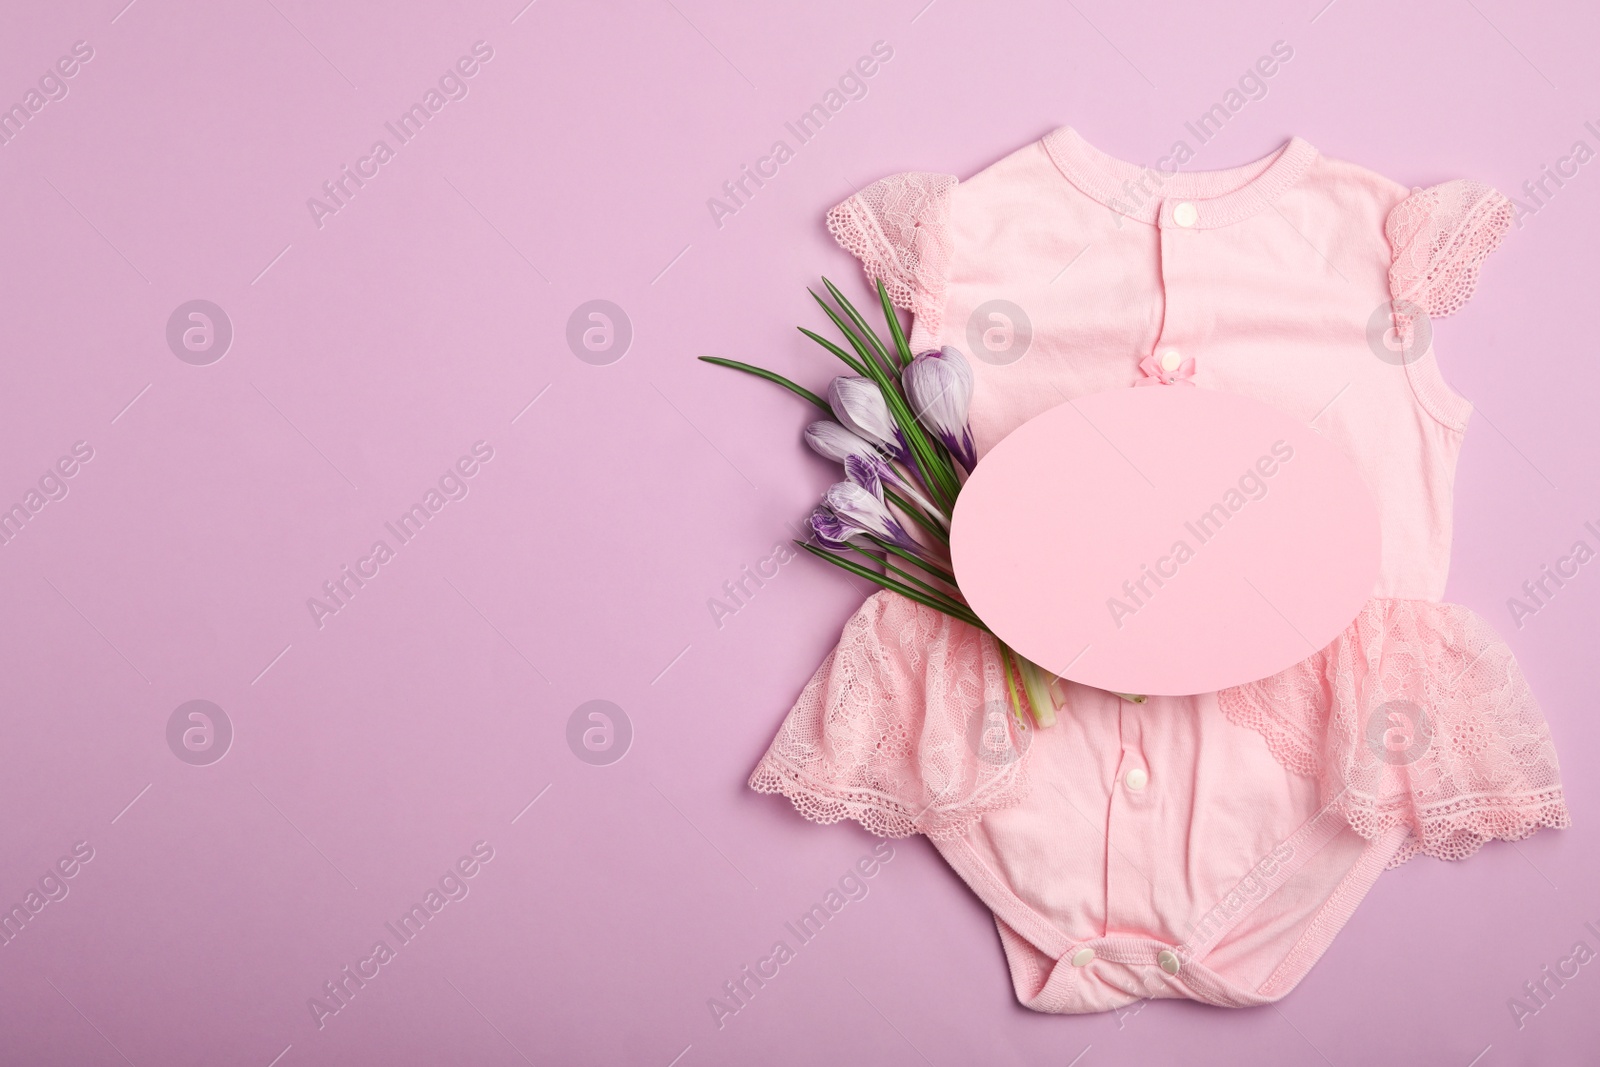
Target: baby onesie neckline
pixel 1152 195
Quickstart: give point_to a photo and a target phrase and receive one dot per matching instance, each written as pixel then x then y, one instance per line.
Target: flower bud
pixel 939 387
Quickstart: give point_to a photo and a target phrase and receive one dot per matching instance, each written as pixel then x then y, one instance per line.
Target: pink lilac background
pixel 371 352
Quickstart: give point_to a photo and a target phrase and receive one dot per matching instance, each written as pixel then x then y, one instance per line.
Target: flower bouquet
pixel 900 430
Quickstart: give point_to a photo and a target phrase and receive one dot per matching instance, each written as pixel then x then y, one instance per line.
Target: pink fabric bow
pixel 1156 374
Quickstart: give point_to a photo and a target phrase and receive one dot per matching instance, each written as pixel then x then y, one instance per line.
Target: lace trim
pixel 905 728
pixel 1457 834
pixel 1439 237
pixel 899 228
pixel 1290 742
pixel 1416 716
pixel 881 815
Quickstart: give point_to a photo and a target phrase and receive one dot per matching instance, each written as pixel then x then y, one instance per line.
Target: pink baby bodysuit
pixel 1209 846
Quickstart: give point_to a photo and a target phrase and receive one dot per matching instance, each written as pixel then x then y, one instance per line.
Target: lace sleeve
pixel 1439 237
pixel 905 728
pixel 899 228
pixel 1417 716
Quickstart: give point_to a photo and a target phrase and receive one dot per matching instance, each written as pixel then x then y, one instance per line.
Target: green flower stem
pixel 916 515
pixel 1011 685
pixel 1033 680
pixel 930 454
pixel 924 469
pixel 920 499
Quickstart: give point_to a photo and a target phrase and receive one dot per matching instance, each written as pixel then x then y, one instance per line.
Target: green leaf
pixel 872 362
pixel 844 357
pixel 892 585
pixel 937 572
pixel 932 466
pixel 889 313
pixel 908 576
pixel 926 464
pixel 771 376
pixel 867 332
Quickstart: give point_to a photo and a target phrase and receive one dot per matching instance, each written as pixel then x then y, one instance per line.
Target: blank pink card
pixel 1165 541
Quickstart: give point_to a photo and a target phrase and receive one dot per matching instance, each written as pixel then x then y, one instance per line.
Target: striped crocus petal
pixel 939 386
pixel 867 472
pixel 857 507
pixel 859 404
pixel 833 532
pixel 831 440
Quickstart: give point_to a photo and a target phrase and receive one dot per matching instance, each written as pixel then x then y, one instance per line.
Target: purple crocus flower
pixel 859 404
pixel 939 387
pixel 861 509
pixel 864 472
pixel 833 532
pixel 832 441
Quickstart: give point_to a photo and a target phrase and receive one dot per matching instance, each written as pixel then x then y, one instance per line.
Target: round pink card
pixel 1165 541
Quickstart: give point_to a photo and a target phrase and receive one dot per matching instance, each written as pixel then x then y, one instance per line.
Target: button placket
pixel 1186 321
pixel 1172 216
pixel 1135 771
pixel 1128 828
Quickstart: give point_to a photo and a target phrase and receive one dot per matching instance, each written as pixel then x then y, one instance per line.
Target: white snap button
pixel 1170 359
pixel 1136 779
pixel 1168 960
pixel 1083 957
pixel 1186 214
